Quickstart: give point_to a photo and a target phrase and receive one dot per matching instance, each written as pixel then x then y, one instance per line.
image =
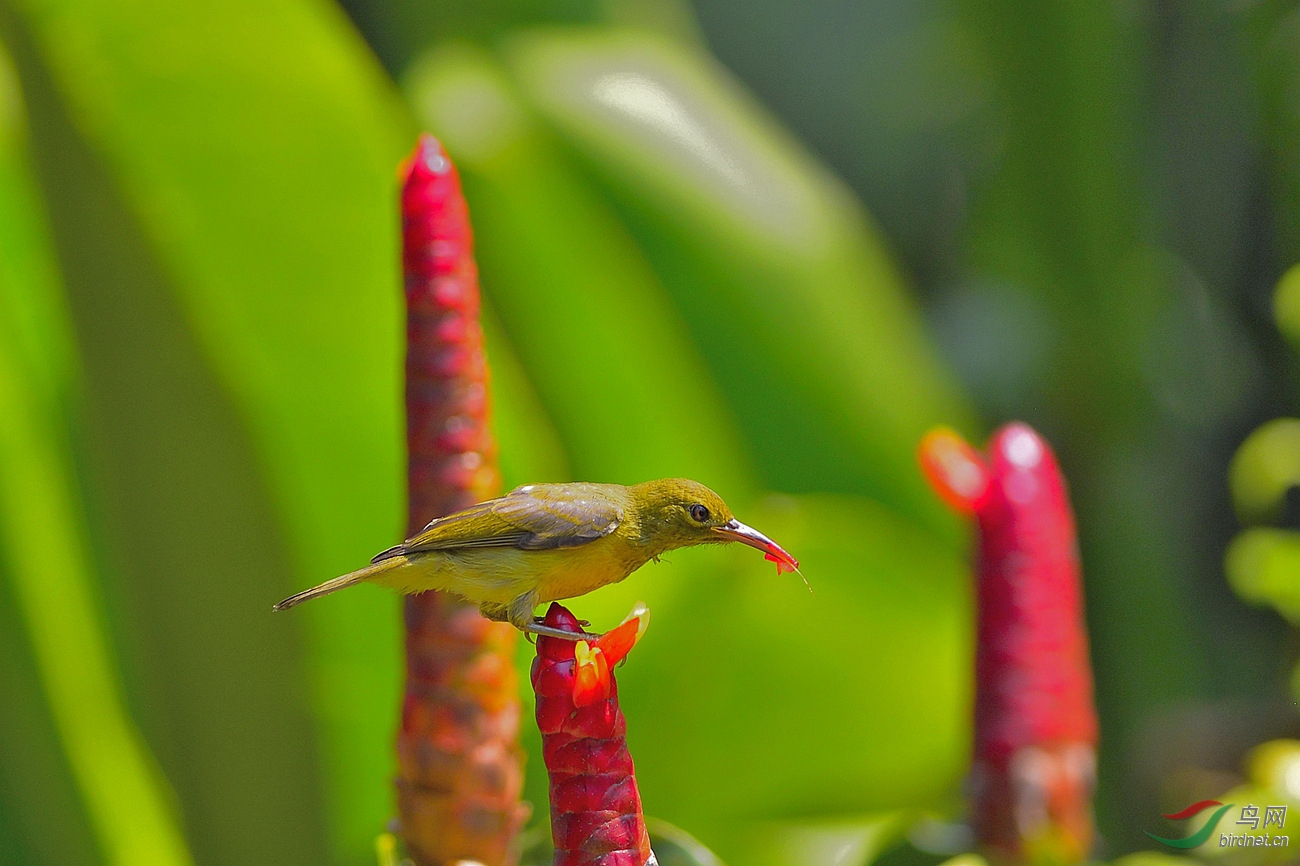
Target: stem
pixel 460 768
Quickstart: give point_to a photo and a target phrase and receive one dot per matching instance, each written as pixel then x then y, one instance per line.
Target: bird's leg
pixel 519 613
pixel 536 626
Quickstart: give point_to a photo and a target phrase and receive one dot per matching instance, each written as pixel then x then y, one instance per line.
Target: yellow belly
pixel 497 576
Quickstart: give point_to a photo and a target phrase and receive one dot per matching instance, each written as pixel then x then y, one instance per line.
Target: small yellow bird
pixel 546 542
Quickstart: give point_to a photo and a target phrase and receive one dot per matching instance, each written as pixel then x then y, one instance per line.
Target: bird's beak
pixel 734 530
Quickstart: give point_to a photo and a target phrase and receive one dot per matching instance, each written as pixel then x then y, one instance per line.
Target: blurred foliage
pixel 1263 560
pixel 200 385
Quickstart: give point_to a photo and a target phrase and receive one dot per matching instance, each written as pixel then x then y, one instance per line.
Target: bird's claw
pixel 539 628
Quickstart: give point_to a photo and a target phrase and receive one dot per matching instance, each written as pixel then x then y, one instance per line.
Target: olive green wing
pixel 532 517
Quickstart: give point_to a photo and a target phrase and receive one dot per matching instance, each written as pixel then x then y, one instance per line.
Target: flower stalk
pixel 1034 760
pixel 596 817
pixel 460 767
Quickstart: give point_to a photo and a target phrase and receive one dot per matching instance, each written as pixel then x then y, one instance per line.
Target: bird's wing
pixel 532 517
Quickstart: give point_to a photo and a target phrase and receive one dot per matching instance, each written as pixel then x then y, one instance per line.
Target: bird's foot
pixel 540 628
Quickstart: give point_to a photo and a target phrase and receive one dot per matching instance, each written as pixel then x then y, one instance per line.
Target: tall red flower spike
pixel 460 768
pixel 1035 724
pixel 596 817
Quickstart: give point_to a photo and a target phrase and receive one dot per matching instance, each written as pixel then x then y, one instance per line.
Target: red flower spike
pixel 460 768
pixel 596 817
pixel 1035 723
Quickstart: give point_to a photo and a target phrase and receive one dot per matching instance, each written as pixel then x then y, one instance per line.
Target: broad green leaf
pixel 125 795
pixel 73 760
pixel 786 285
pixel 231 253
pixel 611 359
pixel 534 452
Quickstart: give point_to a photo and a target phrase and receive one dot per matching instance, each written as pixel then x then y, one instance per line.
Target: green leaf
pixel 1286 305
pixel 1264 468
pixel 845 841
pixel 786 285
pixel 226 217
pixel 1152 858
pixel 1263 566
pixel 51 786
pixel 611 359
pixel 533 449
pixel 673 846
pixel 46 553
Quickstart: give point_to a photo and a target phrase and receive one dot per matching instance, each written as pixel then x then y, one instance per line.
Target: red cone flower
pixel 1035 724
pixel 596 817
pixel 460 768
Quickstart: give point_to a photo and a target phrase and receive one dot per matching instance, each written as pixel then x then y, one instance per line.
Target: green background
pixel 762 244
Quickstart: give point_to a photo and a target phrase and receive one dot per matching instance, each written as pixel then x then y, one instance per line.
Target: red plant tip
pixel 427 159
pixel 956 471
pixel 1018 446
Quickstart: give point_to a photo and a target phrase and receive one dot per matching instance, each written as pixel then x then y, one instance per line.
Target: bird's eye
pixel 699 513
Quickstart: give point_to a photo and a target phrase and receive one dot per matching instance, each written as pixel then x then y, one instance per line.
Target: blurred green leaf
pixel 1286 304
pixel 1263 566
pixel 850 841
pixel 221 183
pixel 673 846
pixel 612 361
pixel 535 452
pixel 781 277
pixel 124 793
pixel 1275 766
pixel 45 547
pixel 1264 468
pixel 50 776
pixel 1152 858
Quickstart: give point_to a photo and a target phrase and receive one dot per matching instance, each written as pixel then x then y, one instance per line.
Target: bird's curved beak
pixel 734 530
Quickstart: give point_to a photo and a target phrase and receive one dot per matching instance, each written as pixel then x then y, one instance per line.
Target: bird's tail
pixel 343 582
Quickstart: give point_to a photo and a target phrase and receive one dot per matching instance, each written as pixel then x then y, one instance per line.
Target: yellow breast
pixel 579 570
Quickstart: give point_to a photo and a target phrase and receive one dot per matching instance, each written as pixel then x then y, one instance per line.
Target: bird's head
pixel 678 512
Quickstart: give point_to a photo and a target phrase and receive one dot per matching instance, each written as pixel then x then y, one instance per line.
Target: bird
pixel 547 542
